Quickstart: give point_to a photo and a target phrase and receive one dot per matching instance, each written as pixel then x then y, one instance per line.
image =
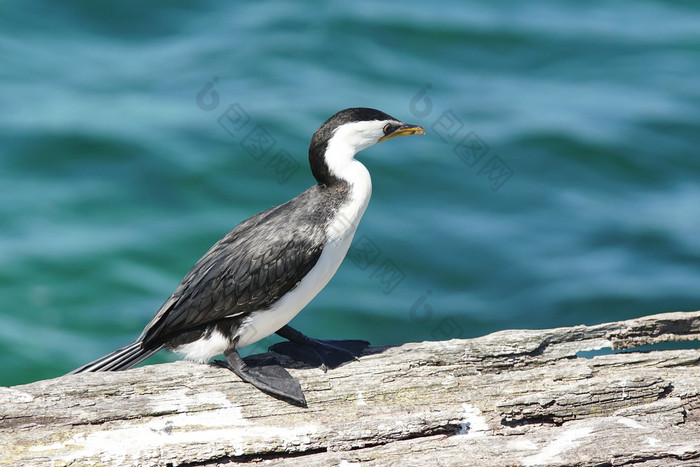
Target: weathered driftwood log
pixel 509 398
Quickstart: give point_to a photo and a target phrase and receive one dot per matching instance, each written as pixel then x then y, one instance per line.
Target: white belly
pixel 263 323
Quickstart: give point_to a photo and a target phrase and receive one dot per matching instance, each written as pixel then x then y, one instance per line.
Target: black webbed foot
pixel 266 375
pixel 321 353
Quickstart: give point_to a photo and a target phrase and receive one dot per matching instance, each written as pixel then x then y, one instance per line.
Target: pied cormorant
pixel 254 280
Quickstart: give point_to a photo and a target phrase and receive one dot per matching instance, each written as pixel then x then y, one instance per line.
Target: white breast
pixel 339 237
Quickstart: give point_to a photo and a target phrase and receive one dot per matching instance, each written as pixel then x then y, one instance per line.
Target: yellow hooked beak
pixel 403 130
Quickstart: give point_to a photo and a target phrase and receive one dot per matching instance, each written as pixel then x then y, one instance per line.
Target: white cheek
pixel 357 136
pixel 345 142
pixel 366 140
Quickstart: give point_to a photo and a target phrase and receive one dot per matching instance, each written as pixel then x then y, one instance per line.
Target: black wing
pixel 249 269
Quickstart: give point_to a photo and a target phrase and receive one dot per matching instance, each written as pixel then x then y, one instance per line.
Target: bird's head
pixel 340 137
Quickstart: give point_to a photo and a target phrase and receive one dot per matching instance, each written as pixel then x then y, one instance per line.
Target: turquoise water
pixel 557 183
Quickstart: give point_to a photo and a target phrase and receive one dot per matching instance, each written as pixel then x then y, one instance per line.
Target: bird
pixel 256 278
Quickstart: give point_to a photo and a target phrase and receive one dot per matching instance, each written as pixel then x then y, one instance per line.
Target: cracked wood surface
pixel 509 398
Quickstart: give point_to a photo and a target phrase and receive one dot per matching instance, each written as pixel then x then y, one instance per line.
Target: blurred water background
pixel 558 183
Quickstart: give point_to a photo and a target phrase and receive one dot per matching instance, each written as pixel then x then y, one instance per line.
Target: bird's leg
pixel 318 352
pixel 268 376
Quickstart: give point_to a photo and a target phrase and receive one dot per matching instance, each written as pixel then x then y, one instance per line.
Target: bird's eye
pixel 387 128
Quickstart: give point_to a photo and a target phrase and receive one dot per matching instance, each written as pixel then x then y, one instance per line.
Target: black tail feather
pixel 121 359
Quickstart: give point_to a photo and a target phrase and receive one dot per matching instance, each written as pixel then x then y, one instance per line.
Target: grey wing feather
pixel 249 269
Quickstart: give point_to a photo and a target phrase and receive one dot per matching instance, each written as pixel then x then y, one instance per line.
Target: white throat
pixel 340 158
pixel 348 140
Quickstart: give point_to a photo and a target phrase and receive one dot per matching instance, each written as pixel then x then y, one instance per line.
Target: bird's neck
pixel 360 182
pixel 335 163
pixel 337 166
pixel 359 185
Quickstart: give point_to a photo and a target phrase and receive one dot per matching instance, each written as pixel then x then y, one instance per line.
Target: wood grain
pixel 510 398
